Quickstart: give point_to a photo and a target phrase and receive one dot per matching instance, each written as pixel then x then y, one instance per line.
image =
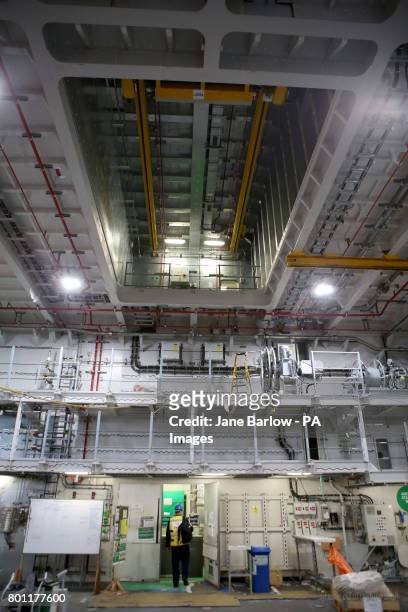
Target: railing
pixel 218 275
pixel 65 369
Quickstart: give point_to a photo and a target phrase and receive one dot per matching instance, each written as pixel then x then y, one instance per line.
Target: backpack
pixel 186 531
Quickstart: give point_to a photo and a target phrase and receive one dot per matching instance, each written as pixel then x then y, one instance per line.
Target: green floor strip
pixel 164 584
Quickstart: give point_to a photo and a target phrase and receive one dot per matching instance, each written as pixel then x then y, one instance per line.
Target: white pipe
pixel 6 588
pixel 343 514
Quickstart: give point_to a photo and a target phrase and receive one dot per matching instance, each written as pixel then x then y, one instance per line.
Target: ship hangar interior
pixel 201 200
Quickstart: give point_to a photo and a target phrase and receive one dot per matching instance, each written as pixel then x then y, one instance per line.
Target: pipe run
pixel 50 190
pixel 256 313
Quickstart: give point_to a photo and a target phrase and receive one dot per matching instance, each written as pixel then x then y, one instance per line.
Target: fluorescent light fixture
pixel 299 473
pixel 174 241
pixel 214 242
pixel 71 283
pixel 33 296
pixel 212 474
pixel 323 289
pixel 77 473
pixel 179 224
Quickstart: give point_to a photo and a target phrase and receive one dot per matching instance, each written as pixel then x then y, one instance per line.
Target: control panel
pixel 379 523
pixel 305 518
pixel 301 509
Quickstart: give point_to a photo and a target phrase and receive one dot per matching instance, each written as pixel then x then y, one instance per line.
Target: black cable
pixel 333 497
pixel 396 71
pixel 290 451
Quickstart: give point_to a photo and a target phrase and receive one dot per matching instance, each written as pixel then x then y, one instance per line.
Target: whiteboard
pixel 64 527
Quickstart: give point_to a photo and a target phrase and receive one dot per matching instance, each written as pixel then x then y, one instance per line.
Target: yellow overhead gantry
pixel 299 259
pixel 137 92
pixel 211 93
pixel 254 145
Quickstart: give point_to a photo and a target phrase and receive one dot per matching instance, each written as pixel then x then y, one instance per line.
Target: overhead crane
pixel 299 259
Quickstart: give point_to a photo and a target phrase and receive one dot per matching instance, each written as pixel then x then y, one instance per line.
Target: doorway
pixel 191 496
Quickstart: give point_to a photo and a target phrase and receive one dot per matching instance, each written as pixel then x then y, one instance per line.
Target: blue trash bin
pixel 260 569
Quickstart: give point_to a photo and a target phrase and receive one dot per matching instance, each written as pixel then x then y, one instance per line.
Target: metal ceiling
pixel 330 176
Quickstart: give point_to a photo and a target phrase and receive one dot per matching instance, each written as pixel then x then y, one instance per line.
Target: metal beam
pixel 138 94
pixel 369 279
pixel 204 92
pixel 298 259
pixel 11 257
pixel 16 433
pixel 198 163
pixel 254 145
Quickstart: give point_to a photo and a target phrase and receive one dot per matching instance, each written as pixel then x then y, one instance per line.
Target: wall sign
pixel 120 534
pixel 402 497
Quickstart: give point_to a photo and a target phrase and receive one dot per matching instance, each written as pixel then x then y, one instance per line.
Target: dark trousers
pixel 180 554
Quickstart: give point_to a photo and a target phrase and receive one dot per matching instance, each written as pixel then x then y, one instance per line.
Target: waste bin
pixel 260 569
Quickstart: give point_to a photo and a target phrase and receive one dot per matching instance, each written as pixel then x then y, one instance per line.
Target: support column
pixel 98 428
pixel 192 414
pixel 45 434
pixel 150 448
pixel 16 433
pixel 57 380
pixel 10 368
pixel 363 438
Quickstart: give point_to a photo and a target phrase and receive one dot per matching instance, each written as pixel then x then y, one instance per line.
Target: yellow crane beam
pixel 211 93
pixel 254 145
pixel 137 92
pixel 299 259
pixel 215 93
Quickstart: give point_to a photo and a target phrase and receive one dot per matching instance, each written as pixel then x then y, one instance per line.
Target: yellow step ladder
pixel 241 375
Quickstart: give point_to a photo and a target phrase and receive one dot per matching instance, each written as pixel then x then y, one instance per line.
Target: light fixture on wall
pixel 211 474
pixel 323 289
pixel 175 241
pixel 77 473
pixel 71 284
pixel 216 242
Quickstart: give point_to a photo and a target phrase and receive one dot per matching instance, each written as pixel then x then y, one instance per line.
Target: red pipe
pixel 29 206
pixel 41 165
pixel 99 363
pixel 387 182
pixel 363 222
pixel 114 326
pixel 209 311
pixel 94 363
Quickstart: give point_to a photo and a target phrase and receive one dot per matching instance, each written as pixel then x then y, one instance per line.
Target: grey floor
pixel 80 602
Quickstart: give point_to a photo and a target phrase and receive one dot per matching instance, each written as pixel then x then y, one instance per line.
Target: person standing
pixel 178 537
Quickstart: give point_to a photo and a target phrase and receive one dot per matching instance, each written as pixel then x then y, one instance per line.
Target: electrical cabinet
pixel 214 351
pixel 379 523
pixel 171 352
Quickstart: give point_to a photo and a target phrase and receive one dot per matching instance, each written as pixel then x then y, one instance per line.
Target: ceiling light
pixel 179 224
pixel 214 242
pixel 33 296
pixel 71 283
pixel 212 474
pixel 174 241
pixel 77 473
pixel 323 289
pixel 299 473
